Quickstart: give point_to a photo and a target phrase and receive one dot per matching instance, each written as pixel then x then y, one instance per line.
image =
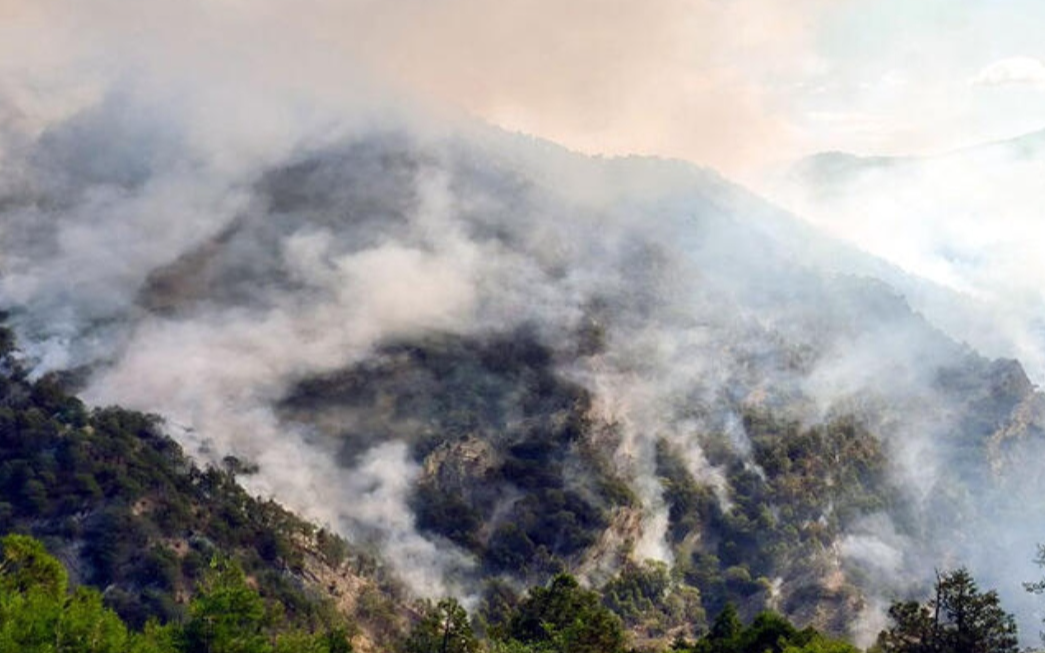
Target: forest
pixel 38 612
pixel 113 540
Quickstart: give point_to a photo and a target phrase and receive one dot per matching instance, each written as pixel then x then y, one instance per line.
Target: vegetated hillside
pixel 128 513
pixel 162 541
pixel 493 360
pixel 518 472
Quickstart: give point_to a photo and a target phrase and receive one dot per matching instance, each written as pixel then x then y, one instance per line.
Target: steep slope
pixel 492 359
pixel 128 513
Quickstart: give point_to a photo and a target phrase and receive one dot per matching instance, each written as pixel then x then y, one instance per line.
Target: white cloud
pixel 1012 72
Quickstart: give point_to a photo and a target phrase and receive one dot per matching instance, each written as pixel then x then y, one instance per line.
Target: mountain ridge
pixel 495 367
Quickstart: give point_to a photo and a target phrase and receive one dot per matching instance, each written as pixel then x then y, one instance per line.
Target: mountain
pixel 486 360
pixel 825 169
pixel 965 219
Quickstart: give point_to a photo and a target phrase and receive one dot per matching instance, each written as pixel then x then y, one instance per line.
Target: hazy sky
pixel 735 84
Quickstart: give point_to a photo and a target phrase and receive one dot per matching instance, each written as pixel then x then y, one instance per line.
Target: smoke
pixel 203 226
pixel 968 221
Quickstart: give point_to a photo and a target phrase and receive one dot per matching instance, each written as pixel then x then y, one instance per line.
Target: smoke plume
pixel 201 236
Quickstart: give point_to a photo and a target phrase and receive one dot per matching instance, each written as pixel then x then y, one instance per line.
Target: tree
pixel 227 616
pixel 443 628
pixel 37 614
pixel 768 633
pixel 727 625
pixel 958 619
pixel 817 643
pixel 86 625
pixel 26 564
pixel 912 629
pixel 566 618
pixel 1038 587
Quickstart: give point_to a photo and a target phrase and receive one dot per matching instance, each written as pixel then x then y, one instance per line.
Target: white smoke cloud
pixel 1010 72
pixel 968 221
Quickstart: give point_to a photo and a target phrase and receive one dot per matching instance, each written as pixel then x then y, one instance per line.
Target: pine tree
pixel 958 619
pixel 443 628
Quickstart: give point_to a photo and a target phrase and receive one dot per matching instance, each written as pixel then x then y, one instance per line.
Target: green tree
pixel 959 618
pixel 37 614
pixel 227 616
pixel 333 641
pixel 768 633
pixel 638 589
pixel 724 634
pixel 727 625
pixel 443 628
pixel 27 564
pixel 566 618
pixel 85 625
pixel 817 643
pixel 912 629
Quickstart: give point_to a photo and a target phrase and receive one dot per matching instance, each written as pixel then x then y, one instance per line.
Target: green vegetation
pixel 959 618
pixel 39 614
pixel 190 562
pixel 443 628
pixel 510 474
pixel 653 602
pixel 768 633
pixel 117 499
pixel 565 618
pixel 788 501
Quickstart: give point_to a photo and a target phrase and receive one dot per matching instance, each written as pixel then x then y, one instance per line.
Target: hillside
pixel 156 549
pixel 486 360
pixel 126 512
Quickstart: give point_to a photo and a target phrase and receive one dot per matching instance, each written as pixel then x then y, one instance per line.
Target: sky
pixel 739 85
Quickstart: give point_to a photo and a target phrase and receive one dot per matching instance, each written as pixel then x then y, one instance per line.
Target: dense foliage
pixel 509 473
pixel 959 618
pixel 190 562
pixel 566 618
pixel 443 628
pixel 768 633
pixel 39 615
pixel 788 501
pixel 119 502
pixel 563 617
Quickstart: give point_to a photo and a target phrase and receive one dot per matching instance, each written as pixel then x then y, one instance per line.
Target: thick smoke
pixel 970 222
pixel 199 246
